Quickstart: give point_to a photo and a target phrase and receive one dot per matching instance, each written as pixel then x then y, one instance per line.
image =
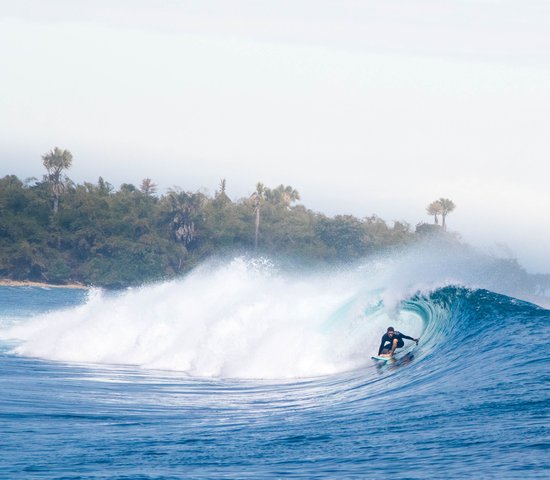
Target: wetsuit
pixel 396 335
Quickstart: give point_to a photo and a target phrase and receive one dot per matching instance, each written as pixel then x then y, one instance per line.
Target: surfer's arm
pixel 410 338
pixel 381 346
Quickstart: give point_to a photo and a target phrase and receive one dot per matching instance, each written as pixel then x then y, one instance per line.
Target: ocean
pixel 245 370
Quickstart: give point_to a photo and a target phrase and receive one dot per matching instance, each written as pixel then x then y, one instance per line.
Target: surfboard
pixel 395 361
pixel 379 358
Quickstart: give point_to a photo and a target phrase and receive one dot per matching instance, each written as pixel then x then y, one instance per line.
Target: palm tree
pixel 55 162
pixel 257 197
pixel 434 209
pixel 148 187
pixel 220 194
pixel 283 195
pixel 223 185
pixel 184 207
pixel 290 195
pixel 447 206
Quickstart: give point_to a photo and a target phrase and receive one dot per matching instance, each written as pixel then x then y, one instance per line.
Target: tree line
pixel 54 230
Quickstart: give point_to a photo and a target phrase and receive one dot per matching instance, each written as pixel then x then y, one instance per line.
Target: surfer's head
pixel 390 331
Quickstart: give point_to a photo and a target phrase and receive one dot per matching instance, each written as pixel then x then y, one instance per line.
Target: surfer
pixel 392 340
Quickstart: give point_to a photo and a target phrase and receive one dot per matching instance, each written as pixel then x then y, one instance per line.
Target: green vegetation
pixel 53 230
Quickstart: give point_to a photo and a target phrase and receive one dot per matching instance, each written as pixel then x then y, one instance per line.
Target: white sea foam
pixel 239 319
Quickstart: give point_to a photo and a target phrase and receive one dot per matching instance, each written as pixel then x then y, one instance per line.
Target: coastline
pixel 6 282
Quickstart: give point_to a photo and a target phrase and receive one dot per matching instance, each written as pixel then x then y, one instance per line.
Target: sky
pixel 365 107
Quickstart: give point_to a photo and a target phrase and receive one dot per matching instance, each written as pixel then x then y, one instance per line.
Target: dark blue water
pixel 471 401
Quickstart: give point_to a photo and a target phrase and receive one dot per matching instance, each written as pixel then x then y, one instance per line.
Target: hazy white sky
pixel 374 106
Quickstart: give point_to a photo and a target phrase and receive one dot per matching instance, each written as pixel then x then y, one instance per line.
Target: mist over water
pixel 246 318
